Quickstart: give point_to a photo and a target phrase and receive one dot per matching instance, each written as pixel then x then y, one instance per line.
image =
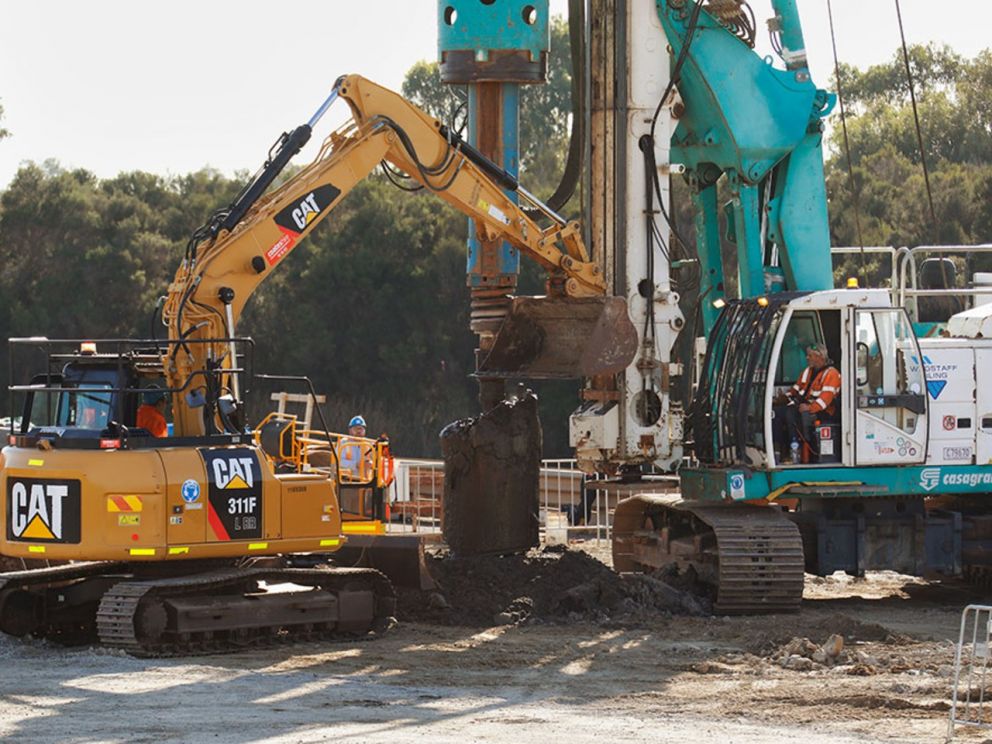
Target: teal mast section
pixel 493 47
pixel 760 128
pixel 791 34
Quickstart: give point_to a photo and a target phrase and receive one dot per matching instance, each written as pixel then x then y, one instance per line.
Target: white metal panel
pixel 952 432
pixel 973 323
pixel 949 370
pixel 879 442
pixel 641 48
pixel 983 408
pixel 951 451
pixel 594 426
pixel 648 68
pixel 647 54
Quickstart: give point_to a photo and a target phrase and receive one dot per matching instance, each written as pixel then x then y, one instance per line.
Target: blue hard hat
pixel 152 396
pixel 356 421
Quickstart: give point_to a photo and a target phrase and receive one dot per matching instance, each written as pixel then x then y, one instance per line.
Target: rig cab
pixel 757 352
pixel 900 481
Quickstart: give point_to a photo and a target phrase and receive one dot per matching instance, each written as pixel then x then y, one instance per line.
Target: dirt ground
pixel 539 672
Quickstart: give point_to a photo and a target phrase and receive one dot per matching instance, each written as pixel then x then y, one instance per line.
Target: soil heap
pixel 549 585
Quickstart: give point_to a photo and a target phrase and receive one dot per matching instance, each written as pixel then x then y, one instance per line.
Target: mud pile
pixel 772 641
pixel 550 585
pixel 844 649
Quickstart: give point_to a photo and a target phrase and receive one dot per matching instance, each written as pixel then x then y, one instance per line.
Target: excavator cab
pixel 90 398
pixel 89 394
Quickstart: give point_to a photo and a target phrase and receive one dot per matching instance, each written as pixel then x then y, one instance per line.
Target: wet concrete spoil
pixel 491 479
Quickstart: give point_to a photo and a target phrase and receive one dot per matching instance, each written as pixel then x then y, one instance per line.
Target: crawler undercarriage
pixel 751 556
pixel 196 609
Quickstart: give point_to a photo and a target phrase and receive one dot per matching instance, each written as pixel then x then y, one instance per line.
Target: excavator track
pixel 54 602
pixel 752 556
pixel 227 610
pixel 53 574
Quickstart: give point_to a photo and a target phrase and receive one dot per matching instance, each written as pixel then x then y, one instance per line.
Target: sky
pixel 169 88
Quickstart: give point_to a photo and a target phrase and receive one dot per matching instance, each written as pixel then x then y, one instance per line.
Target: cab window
pixel 804 331
pixel 85 407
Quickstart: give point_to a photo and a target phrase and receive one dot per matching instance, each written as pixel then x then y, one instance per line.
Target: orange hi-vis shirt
pixel 819 393
pixel 152 421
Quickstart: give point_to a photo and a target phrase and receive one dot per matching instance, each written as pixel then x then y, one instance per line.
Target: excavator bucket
pixel 400 556
pixel 545 338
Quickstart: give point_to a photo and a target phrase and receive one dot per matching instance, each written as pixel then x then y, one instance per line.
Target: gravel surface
pixel 865 660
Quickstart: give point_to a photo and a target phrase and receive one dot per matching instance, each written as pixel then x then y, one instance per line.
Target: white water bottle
pixel 794 449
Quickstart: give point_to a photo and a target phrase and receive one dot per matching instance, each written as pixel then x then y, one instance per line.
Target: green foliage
pixel 373 307
pixel 76 251
pixel 934 68
pixel 888 194
pixel 422 86
pixel 3 132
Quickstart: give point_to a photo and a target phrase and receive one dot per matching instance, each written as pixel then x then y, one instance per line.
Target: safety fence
pixel 572 508
pixel 572 505
pixel 415 496
pixel 970 699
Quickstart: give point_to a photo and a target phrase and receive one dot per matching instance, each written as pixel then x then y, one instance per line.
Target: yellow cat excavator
pixel 196 541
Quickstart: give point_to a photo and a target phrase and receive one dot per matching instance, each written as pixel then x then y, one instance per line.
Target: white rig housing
pixel 636 423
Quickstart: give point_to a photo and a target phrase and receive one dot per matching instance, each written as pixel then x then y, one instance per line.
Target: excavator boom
pixel 233 253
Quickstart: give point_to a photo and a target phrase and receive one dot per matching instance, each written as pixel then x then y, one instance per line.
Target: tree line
pixel 373 306
pixel 876 186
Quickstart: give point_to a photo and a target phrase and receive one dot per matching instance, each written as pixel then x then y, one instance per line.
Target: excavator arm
pixel 241 245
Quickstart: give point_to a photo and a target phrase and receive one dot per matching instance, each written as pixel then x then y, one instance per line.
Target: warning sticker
pixel 283 246
pixel 497 213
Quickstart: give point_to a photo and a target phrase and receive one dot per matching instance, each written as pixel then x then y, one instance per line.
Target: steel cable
pixel 847 146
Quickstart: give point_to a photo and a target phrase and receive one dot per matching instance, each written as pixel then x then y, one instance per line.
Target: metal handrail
pixel 908 274
pixel 895 252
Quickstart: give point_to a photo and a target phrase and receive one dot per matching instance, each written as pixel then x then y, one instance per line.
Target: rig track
pixel 750 556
